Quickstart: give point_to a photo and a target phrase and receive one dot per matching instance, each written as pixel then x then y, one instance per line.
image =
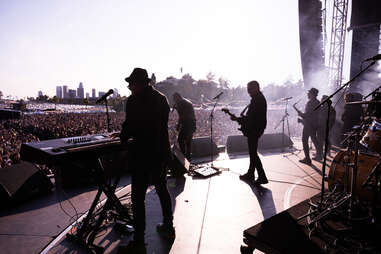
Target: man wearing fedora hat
pixel 146 123
pixel 310 128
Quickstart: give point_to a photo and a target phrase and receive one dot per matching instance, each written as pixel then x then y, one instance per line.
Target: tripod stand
pixel 211 116
pixel 283 120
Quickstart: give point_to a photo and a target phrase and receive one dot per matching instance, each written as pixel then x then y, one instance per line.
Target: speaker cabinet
pixel 238 143
pixel 21 182
pixel 201 147
pixel 274 140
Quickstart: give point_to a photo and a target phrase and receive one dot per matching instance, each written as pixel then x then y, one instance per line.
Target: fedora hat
pixel 139 75
pixel 313 91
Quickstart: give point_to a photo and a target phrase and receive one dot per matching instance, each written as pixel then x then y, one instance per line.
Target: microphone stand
pixel 284 118
pixel 211 134
pixel 108 116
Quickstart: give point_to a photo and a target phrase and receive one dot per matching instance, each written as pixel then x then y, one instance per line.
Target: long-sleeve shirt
pixel 310 115
pixel 147 123
pixel 255 119
pixel 187 119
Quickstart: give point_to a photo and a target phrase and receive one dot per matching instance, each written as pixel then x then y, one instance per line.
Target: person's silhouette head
pixel 253 88
pixel 138 80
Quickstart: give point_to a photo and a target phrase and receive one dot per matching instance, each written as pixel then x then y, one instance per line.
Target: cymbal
pixel 363 102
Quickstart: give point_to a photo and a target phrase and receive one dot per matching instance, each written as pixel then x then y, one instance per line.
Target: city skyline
pixel 59 42
pixel 80 92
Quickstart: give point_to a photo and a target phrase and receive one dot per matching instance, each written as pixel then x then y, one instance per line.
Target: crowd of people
pixel 36 127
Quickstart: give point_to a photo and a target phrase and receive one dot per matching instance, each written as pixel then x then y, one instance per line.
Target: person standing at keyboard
pixel 146 123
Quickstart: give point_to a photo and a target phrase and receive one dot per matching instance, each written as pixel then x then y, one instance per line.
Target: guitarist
pixel 253 125
pixel 310 128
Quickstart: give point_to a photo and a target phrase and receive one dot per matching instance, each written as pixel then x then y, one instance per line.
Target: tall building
pixel 100 94
pixel 80 91
pixel 39 94
pixel 72 93
pixel 87 95
pixel 64 92
pixel 93 93
pixel 59 92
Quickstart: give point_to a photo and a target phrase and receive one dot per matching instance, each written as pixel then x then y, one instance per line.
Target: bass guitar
pixel 244 128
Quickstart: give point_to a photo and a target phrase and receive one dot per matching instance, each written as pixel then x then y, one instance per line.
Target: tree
pixel 86 102
pixel 210 76
pixel 55 101
pixel 224 83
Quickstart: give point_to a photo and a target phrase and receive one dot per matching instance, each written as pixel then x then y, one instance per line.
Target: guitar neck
pixel 226 111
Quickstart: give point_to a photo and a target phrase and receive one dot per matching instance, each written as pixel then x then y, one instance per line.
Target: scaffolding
pixel 337 42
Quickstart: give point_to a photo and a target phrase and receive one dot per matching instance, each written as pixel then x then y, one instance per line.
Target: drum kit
pixel 354 187
pixel 356 172
pixel 354 179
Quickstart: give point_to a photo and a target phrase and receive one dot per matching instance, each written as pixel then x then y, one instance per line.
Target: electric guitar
pixel 300 120
pixel 240 120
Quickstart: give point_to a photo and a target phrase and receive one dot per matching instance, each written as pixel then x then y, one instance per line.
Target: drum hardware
pixel 318 207
pixel 363 102
pixel 343 190
pixel 374 109
pixel 372 137
pixel 375 186
pixel 347 199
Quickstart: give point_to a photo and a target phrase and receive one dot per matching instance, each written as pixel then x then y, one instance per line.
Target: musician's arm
pixel 125 134
pixel 300 113
pixel 234 118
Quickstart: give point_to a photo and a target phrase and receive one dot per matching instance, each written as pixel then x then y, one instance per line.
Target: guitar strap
pixel 244 110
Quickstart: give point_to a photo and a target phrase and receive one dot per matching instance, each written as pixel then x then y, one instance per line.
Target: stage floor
pixel 210 214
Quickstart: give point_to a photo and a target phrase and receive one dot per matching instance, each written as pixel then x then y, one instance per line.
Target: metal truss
pixel 337 42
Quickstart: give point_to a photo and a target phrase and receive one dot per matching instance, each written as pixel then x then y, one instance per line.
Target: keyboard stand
pixel 86 233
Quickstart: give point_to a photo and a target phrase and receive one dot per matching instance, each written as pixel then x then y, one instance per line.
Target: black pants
pixel 139 185
pixel 321 138
pixel 185 142
pixel 310 131
pixel 255 161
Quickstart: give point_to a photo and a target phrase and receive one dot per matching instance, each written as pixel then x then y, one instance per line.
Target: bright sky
pixel 45 43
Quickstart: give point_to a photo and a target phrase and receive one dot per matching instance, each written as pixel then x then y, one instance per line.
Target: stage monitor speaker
pixel 274 140
pixel 201 147
pixel 21 182
pixel 179 165
pixel 238 143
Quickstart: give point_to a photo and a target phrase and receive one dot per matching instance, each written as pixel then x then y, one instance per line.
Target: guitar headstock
pixel 225 110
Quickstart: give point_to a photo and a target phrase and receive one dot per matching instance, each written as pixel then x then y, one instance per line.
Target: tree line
pixel 200 92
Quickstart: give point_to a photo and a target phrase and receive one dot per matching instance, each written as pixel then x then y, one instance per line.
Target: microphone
pixel 374 58
pixel 218 95
pixel 105 96
pixel 288 98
